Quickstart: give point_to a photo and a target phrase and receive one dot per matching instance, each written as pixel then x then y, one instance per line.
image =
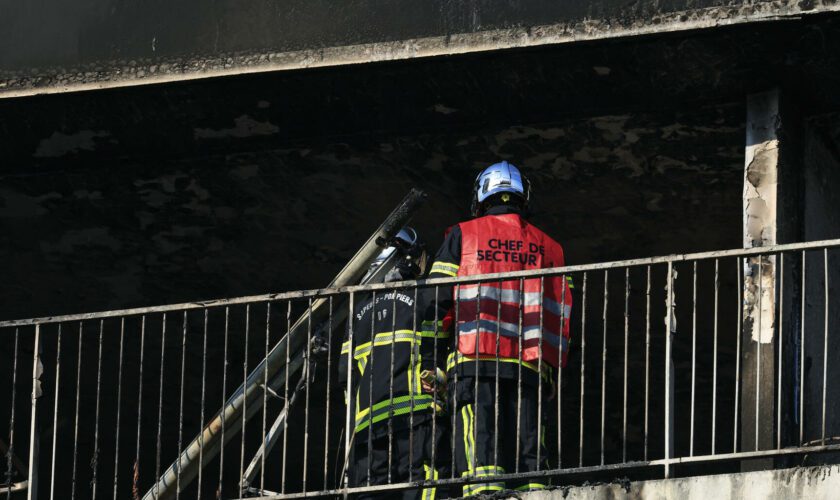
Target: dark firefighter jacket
pixel 391 347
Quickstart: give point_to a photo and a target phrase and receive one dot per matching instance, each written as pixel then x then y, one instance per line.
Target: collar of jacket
pixel 503 209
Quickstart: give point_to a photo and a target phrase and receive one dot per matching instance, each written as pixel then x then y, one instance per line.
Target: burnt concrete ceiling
pixel 266 183
pixel 50 46
pixel 452 93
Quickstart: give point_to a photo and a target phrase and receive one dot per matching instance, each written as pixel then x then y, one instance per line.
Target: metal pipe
pixel 669 389
pixel 604 361
pixel 339 289
pixel 76 417
pixel 94 462
pixel 55 406
pixel 694 364
pixel 647 362
pixel 119 403
pixel 582 368
pixel 715 356
pixel 11 449
pixel 34 434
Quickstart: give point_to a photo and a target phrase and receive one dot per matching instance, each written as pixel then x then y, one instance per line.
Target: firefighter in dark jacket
pixel 509 336
pixel 398 389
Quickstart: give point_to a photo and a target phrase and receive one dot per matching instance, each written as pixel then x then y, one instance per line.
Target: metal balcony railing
pixel 678 365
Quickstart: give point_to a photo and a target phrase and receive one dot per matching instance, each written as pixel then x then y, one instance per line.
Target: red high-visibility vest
pixel 503 243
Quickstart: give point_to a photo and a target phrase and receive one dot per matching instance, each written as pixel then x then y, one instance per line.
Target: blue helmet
pixel 502 177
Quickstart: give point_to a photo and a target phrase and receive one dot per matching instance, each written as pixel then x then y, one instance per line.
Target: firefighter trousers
pixel 410 459
pixel 480 450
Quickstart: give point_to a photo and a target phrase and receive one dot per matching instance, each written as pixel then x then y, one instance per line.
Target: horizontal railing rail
pixel 675 365
pixel 325 292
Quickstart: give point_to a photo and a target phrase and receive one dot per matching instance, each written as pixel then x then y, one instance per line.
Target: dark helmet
pixel 503 181
pixel 408 251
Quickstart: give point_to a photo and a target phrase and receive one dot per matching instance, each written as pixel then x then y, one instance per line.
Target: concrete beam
pixel 814 483
pixel 57 48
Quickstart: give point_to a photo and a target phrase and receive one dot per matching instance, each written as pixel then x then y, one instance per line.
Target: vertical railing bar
pixel 475 374
pixel 10 451
pixel 413 390
pixel 55 409
pixel 160 402
pixel 201 416
pixel 694 363
pixel 135 480
pixel 740 317
pixel 519 379
pixel 265 393
pixel 496 390
pixel 370 386
pixel 539 378
pixel 669 304
pixel 328 392
pixel 181 405
pixel 564 318
pixel 758 349
pixel 647 361
pixel 455 369
pixel 802 356
pixel 604 361
pixel 220 488
pixel 34 434
pixel 308 366
pixel 626 348
pixel 119 401
pixel 435 364
pixel 95 460
pixel 781 349
pixel 348 395
pixel 715 356
pixel 286 393
pixel 825 341
pixel 582 367
pixel 391 383
pixel 76 418
pixel 245 399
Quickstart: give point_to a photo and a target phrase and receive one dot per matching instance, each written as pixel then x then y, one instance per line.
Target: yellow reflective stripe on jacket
pixel 457 358
pixel 401 406
pixel 445 268
pixel 384 338
pixel 427 330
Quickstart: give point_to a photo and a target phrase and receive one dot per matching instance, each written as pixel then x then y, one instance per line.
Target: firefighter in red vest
pixel 509 336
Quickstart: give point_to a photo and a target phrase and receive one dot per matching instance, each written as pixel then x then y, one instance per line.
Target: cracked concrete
pixel 813 483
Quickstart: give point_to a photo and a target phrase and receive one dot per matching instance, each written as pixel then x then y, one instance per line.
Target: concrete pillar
pixel 771 207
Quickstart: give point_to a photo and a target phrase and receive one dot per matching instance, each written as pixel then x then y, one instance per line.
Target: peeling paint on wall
pixel 761 164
